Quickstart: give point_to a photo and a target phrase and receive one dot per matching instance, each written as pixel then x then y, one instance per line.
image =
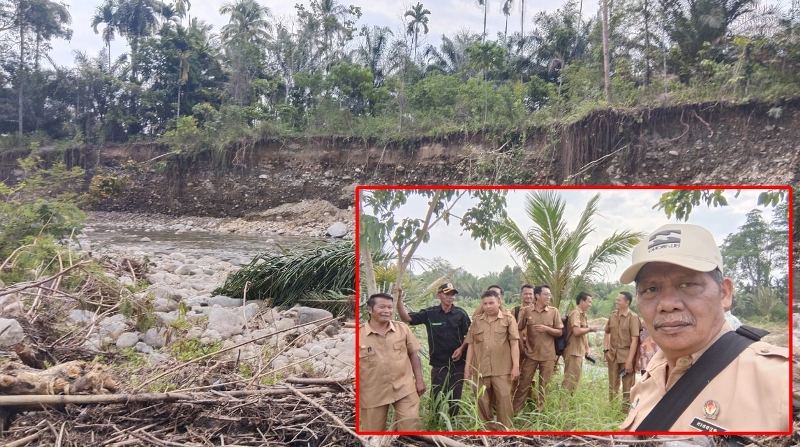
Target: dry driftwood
pixel 67 378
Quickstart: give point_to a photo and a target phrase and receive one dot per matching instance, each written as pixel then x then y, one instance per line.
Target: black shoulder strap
pixel 516 313
pixel 686 389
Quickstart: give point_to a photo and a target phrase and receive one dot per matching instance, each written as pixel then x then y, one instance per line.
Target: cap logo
pixel 664 239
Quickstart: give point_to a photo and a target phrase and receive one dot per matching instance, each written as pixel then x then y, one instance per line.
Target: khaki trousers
pixel 406 416
pixel 573 366
pixel 494 392
pixel 528 370
pixel 614 380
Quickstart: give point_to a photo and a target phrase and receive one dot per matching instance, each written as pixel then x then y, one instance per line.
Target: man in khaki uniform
pixel 682 295
pixel 578 344
pixel 494 288
pixel 539 325
pixel 389 370
pixel 620 344
pixel 493 353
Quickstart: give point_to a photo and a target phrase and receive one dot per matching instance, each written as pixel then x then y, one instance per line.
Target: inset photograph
pixel 569 310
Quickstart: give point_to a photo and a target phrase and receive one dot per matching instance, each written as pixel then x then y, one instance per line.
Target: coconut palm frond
pixel 290 276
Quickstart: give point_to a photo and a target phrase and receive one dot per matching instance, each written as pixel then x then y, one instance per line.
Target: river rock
pixel 11 306
pixel 251 310
pixel 81 316
pixel 186 269
pixel 226 322
pixel 127 340
pixel 338 229
pixel 11 332
pixel 209 337
pixel 166 317
pixel 284 324
pixel 194 332
pixel 143 348
pixel 224 301
pixel 308 314
pixel 156 338
pixel 164 305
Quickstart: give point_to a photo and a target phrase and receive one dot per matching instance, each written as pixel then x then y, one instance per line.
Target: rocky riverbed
pixel 171 285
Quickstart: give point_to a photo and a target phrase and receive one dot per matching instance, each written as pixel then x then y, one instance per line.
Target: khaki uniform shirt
pixel 577 343
pixel 385 374
pixel 490 344
pixel 622 327
pixel 539 346
pixel 751 394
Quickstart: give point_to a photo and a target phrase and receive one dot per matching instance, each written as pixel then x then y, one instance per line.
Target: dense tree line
pixel 325 73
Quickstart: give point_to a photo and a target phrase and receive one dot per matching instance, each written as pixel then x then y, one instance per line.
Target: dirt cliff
pixel 698 144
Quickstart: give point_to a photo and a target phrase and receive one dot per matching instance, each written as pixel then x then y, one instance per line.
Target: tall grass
pixel 587 409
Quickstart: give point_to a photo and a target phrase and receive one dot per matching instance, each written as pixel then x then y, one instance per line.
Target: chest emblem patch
pixel 634 404
pixel 711 409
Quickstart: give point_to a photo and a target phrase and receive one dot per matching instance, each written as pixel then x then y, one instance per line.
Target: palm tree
pixel 451 56
pixel 551 250
pixel 248 22
pixel 507 5
pixel 485 4
pixel 419 19
pixel 106 13
pixel 372 53
pixel 136 19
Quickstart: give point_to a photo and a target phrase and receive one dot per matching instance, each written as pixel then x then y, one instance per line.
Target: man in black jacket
pixel 447 326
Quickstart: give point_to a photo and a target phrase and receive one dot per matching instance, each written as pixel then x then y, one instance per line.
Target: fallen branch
pixel 328 413
pixel 28 285
pixel 89 399
pixel 317 381
pixel 442 440
pixel 22 441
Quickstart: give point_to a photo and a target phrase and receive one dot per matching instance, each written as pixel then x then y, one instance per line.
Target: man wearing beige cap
pixel 705 377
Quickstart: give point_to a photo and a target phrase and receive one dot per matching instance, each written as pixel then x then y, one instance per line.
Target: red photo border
pixel 786 188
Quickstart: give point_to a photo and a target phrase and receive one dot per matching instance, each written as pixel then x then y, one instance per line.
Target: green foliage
pixel 104 186
pixel 289 276
pixel 550 250
pixel 681 201
pixel 187 349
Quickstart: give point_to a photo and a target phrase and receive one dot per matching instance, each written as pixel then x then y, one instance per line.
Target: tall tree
pixel 419 19
pixel 485 4
pixel 39 21
pixel 606 54
pixel 136 20
pixel 373 51
pixel 245 36
pixel 507 5
pixel 551 251
pixel 691 24
pixel 106 14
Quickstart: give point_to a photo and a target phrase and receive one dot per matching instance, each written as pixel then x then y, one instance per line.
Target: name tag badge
pixel 702 425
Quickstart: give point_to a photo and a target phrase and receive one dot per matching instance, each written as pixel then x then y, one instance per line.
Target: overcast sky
pixel 618 209
pixel 447 17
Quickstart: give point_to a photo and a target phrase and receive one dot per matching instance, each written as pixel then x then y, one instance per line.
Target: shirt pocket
pixel 366 356
pixel 399 350
pixel 479 336
pixel 501 333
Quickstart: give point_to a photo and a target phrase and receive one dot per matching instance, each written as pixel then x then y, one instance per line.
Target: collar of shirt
pixel 624 313
pixel 660 359
pixel 372 331
pixel 452 308
pixel 483 316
